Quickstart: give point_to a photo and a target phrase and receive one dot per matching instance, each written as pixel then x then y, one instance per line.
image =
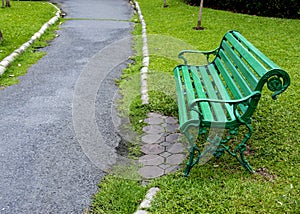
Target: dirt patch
pixel 249 151
pixel 267 175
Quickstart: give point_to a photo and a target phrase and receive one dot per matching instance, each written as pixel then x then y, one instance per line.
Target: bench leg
pixel 222 147
pixel 206 154
pixel 192 159
pixel 194 154
pixel 218 149
pixel 239 150
pixel 221 150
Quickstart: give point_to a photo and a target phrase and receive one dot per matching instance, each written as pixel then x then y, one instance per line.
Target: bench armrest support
pixel 207 53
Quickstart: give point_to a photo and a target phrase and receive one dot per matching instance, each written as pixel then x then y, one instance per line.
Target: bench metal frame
pixel 224 93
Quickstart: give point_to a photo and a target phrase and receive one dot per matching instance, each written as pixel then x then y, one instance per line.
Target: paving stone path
pixel 161 145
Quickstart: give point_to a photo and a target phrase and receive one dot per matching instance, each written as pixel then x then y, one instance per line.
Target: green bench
pixel 223 94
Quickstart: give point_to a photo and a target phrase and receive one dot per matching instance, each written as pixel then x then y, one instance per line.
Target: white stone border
pixel 146 58
pixel 9 59
pixel 146 203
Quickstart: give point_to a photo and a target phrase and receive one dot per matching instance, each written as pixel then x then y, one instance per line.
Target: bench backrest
pixel 245 69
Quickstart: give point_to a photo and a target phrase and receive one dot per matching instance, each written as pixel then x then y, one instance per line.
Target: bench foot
pixel 192 159
pixel 206 154
pixel 243 161
pixel 239 150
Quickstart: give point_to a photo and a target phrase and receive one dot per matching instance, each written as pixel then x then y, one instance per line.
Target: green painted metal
pixel 224 94
pixel 206 113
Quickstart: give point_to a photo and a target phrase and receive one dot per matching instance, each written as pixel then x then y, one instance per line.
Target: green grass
pixel 224 190
pixel 127 195
pixel 18 24
pixel 220 186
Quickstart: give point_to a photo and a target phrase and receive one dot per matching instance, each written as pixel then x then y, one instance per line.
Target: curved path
pixel 56 127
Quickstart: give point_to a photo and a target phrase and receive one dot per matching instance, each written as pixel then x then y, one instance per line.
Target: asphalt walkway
pixel 56 127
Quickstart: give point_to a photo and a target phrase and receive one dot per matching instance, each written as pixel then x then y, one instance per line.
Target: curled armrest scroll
pixel 277 81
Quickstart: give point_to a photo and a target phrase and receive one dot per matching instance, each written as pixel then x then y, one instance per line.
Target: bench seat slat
pixel 206 112
pixel 216 108
pixel 221 90
pixel 189 89
pixel 180 96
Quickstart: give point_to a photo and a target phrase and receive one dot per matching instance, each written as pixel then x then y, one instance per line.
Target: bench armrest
pixel 255 94
pixel 231 102
pixel 207 53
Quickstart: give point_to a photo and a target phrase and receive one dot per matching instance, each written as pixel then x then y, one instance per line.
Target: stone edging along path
pixel 146 57
pixel 9 59
pixel 163 152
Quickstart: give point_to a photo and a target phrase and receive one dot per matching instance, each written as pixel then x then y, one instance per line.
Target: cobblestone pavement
pixel 161 145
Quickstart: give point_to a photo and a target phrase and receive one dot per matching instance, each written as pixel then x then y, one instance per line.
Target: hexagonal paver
pixel 172 169
pixel 165 154
pixel 165 143
pixel 175 159
pixel 154 160
pixel 154 120
pixel 153 129
pixel 152 114
pixel 164 166
pixel 175 148
pixel 171 128
pixel 152 138
pixel 152 149
pixel 151 171
pixel 172 120
pixel 163 151
pixel 173 137
pixel 164 125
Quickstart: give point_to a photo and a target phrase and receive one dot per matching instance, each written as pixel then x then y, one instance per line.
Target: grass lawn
pixel 18 24
pixel 221 186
